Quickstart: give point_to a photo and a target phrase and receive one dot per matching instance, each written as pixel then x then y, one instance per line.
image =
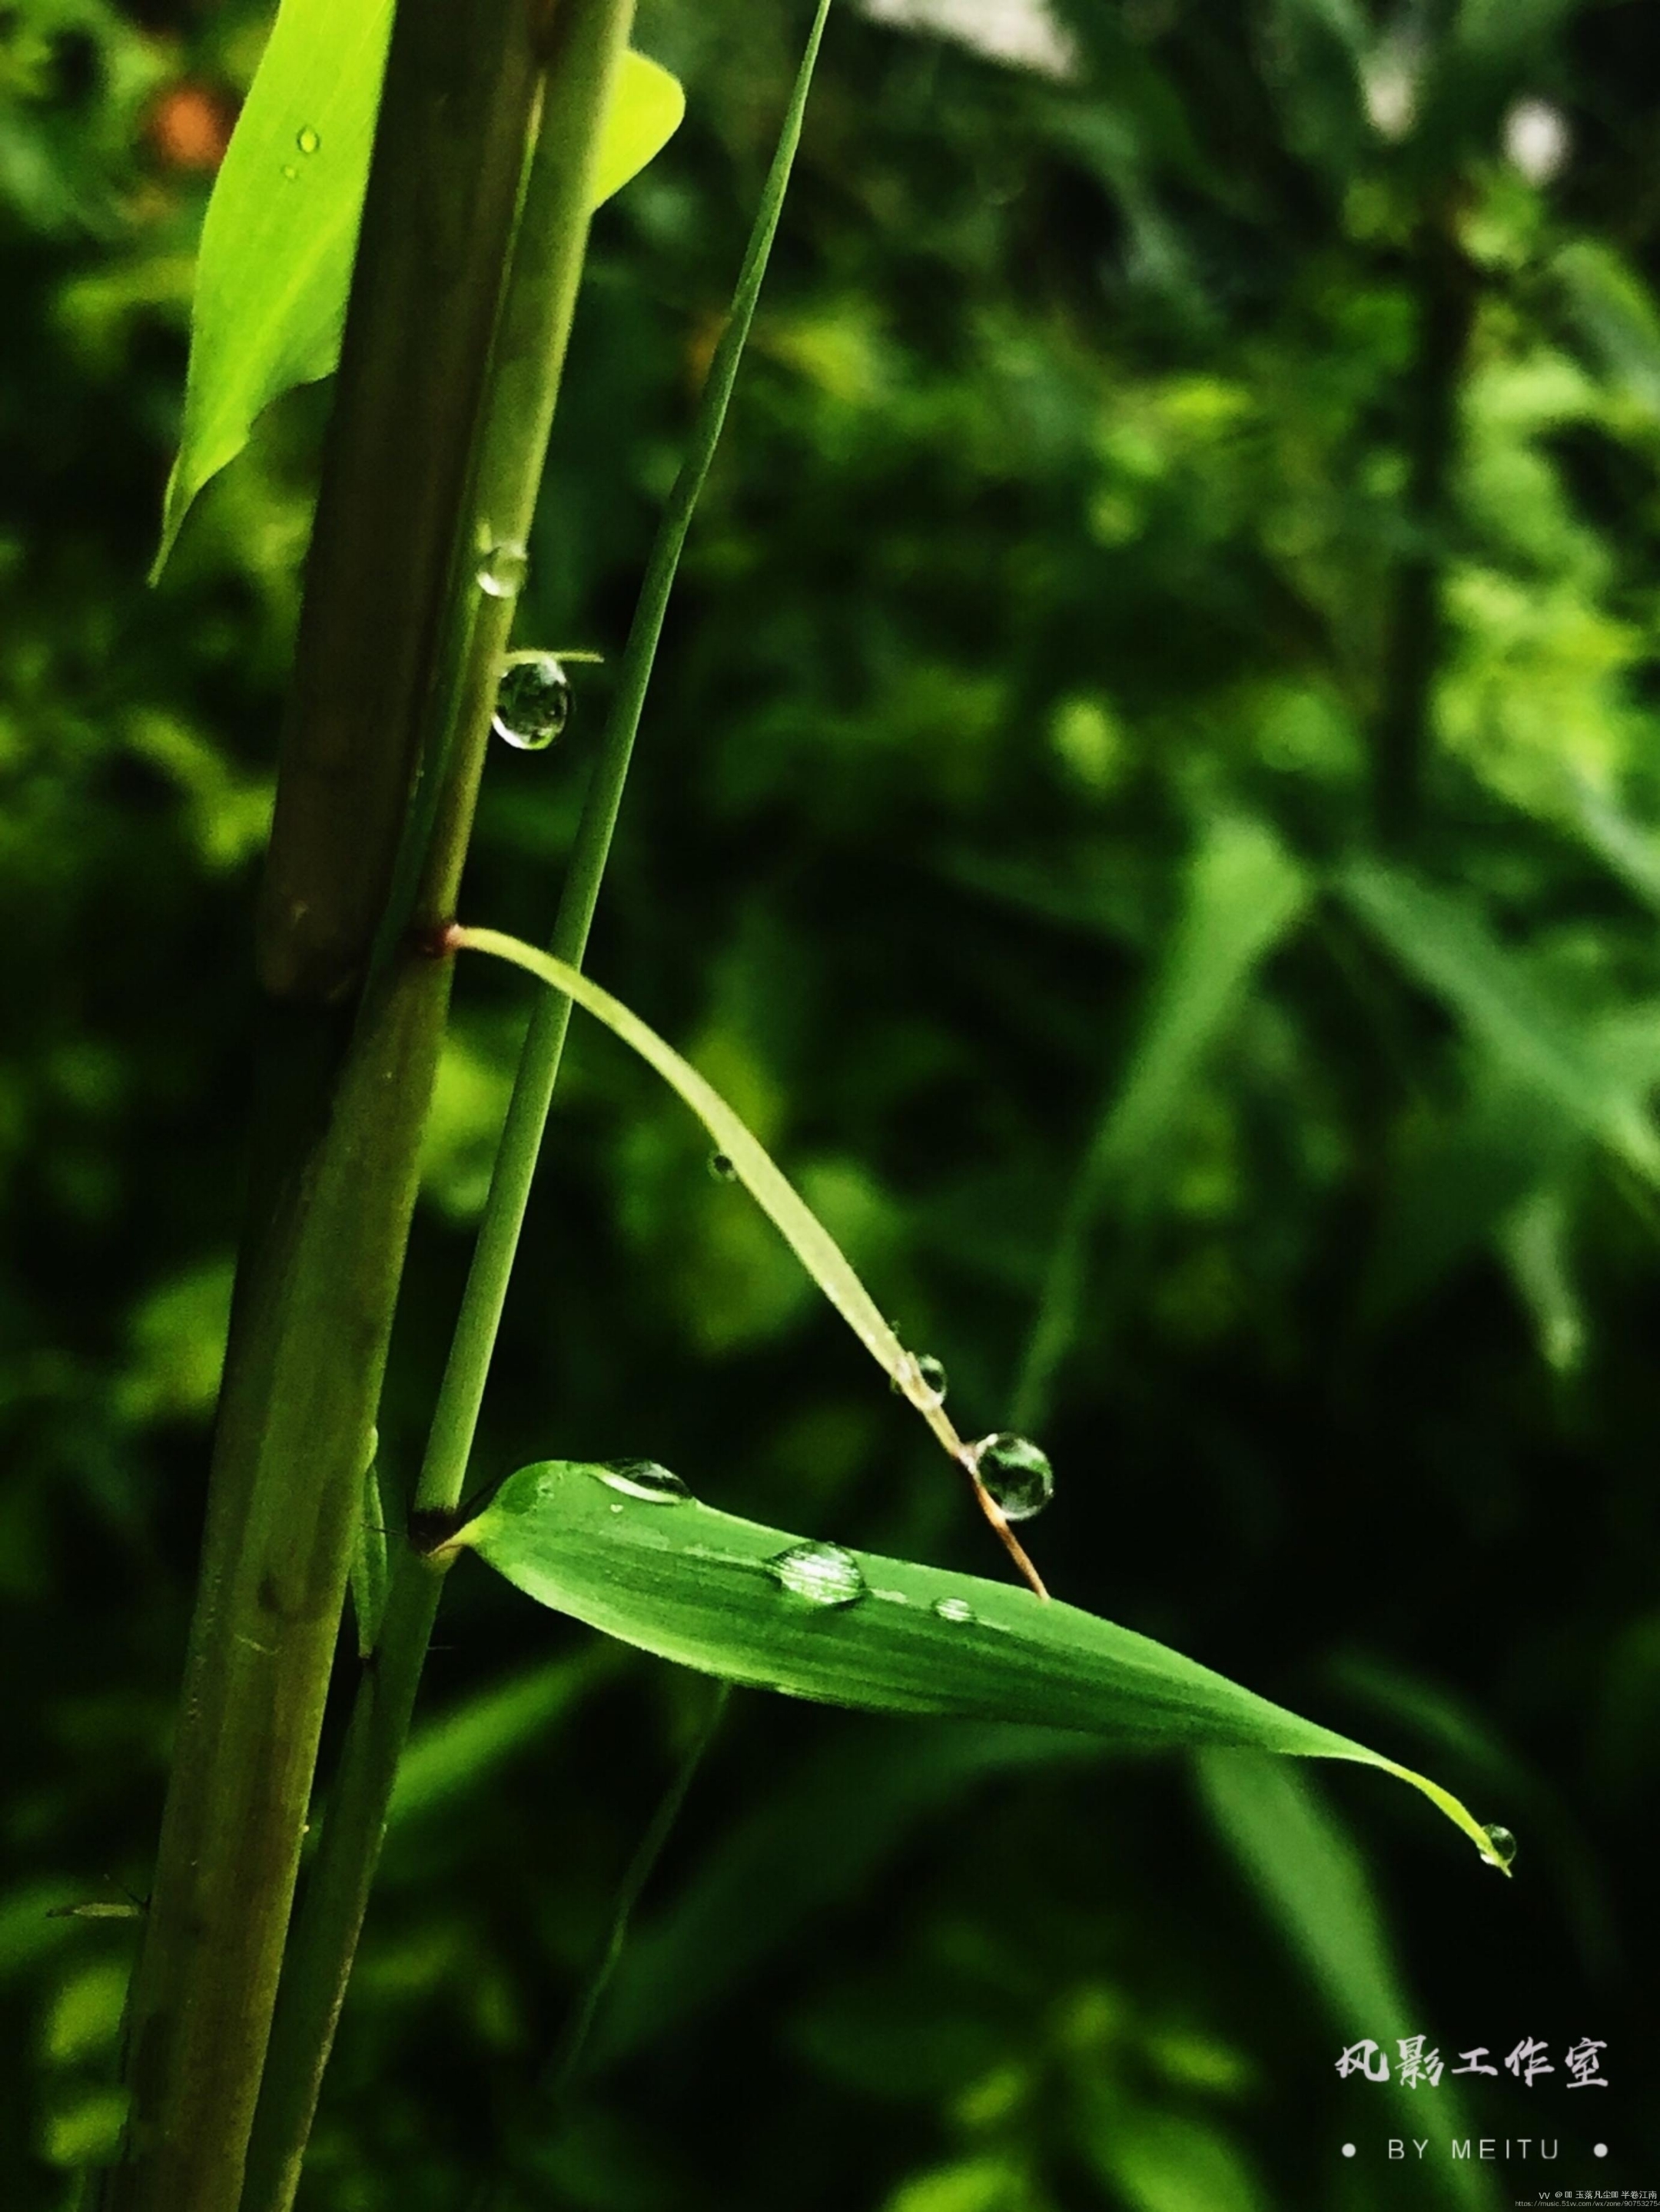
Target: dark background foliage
pixel 1149 807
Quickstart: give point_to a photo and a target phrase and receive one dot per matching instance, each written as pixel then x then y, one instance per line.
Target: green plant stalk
pixel 426 289
pixel 259 1675
pixel 332 1914
pixel 539 301
pixel 335 1160
pixel 455 1421
pixel 564 2067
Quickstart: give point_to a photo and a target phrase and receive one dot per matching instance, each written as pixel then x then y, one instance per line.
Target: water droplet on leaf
pixel 722 1167
pixel 502 571
pixel 822 1574
pixel 953 1608
pixel 1017 1475
pixel 643 1479
pixel 532 700
pixel 1502 1845
pixel 290 174
pixel 307 139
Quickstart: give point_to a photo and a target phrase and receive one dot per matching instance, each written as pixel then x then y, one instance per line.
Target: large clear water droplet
pixel 1502 1845
pixel 502 571
pixel 1016 1473
pixel 307 139
pixel 822 1574
pixel 922 1378
pixel 643 1479
pixel 532 700
pixel 953 1608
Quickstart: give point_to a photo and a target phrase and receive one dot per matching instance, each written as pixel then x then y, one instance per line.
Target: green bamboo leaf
pixel 645 112
pixel 1448 946
pixel 629 1550
pixel 1536 1242
pixel 1242 895
pixel 275 263
pixel 1245 892
pixel 748 1161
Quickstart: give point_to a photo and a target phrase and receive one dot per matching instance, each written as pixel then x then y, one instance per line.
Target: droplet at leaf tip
pixel 1498 1848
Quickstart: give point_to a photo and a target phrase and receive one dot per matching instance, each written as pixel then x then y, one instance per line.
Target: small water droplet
pixel 532 700
pixel 1502 1845
pixel 922 1378
pixel 1015 1472
pixel 642 1479
pixel 722 1167
pixel 290 173
pixel 822 1574
pixel 953 1608
pixel 307 139
pixel 503 569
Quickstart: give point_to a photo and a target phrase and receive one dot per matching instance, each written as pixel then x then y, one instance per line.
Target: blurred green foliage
pixel 1149 807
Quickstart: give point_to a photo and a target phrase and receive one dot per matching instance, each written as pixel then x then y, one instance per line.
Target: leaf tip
pixel 175 506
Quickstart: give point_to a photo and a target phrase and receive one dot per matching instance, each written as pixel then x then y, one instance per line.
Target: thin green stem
pixel 526 360
pixel 560 2074
pixel 443 1473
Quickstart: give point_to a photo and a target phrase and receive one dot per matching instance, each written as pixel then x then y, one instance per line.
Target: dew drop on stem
pixel 722 1167
pixel 922 1378
pixel 957 1609
pixel 1501 1845
pixel 503 570
pixel 532 700
pixel 820 1574
pixel 307 139
pixel 1017 1475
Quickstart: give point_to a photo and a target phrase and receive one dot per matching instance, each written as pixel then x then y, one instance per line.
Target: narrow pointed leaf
pixel 751 1164
pixel 1243 893
pixel 1447 944
pixel 674 1576
pixel 274 263
pixel 646 112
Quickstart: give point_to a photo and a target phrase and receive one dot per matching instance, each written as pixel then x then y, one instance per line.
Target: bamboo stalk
pixel 335 1180
pixel 527 359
